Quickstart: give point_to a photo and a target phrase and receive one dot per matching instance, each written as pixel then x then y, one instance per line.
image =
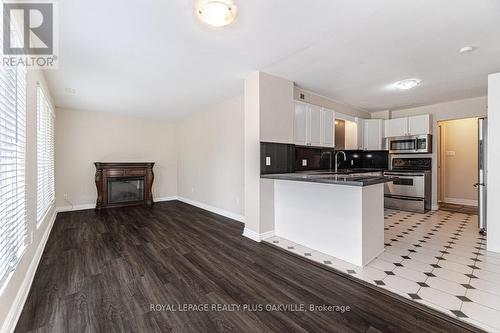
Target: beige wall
pixel 84 137
pixel 465 108
pixel 210 159
pixel 460 160
pixel 15 292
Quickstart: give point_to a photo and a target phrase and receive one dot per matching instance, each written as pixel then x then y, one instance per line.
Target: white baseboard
pixel 174 197
pixel 69 208
pixel 248 233
pixel 231 215
pixel 92 205
pixel 17 307
pixel 457 201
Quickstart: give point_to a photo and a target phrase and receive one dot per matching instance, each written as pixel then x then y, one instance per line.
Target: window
pixel 45 156
pixel 12 168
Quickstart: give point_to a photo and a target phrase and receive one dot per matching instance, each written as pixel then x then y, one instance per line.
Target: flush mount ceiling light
pixel 406 84
pixel 217 13
pixel 466 49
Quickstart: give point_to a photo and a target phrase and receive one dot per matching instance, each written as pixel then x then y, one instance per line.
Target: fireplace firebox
pixel 123 184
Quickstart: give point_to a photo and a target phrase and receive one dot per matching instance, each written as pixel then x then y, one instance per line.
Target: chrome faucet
pixel 336 154
pixel 329 154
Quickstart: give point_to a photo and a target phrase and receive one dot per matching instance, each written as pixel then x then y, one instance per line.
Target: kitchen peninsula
pixel 339 214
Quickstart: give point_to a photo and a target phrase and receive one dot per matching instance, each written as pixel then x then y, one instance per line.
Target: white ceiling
pixel 152 57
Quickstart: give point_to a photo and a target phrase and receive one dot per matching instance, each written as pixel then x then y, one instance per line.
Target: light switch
pixel 304 162
pixel 450 153
pixel 268 160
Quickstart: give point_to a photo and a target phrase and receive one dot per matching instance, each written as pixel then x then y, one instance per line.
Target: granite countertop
pixel 343 171
pixel 331 178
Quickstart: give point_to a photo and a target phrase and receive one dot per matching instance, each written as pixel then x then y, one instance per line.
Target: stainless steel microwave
pixel 418 144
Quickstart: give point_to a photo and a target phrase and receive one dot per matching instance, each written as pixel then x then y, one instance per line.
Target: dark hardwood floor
pixel 100 272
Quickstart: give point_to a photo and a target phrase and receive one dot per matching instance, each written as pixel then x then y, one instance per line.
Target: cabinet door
pixel 396 127
pixel 419 125
pixel 361 130
pixel 300 123
pixel 328 126
pixel 373 134
pixel 314 132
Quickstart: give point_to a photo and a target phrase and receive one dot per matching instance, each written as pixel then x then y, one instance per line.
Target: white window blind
pixel 45 155
pixel 12 168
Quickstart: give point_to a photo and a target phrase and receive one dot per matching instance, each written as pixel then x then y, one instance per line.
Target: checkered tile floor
pixel 437 259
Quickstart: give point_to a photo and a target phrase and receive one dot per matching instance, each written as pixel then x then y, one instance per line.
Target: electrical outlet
pixel 352 162
pixel 65 196
pixel 268 160
pixel 192 189
pixel 238 201
pixel 304 162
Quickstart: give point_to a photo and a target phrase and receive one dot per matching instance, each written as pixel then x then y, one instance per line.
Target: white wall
pixel 466 108
pixel 210 158
pixel 85 137
pixel 277 109
pixel 313 98
pixel 252 153
pixel 493 177
pixel 16 290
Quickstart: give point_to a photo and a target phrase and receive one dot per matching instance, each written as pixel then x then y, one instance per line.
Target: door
pixel 419 125
pixel 396 127
pixel 314 125
pixel 300 124
pixel 328 126
pixel 482 177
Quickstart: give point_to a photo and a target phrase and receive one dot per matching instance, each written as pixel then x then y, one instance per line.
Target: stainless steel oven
pixel 411 189
pixel 419 144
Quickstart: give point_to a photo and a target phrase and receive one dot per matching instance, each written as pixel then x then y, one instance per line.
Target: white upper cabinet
pixel 419 125
pixel 313 125
pixel 328 127
pixel 300 124
pixel 396 127
pixel 373 135
pixel 416 125
pixel 361 129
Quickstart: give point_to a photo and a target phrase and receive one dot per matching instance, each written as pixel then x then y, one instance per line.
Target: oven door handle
pixel 403 175
pixel 402 197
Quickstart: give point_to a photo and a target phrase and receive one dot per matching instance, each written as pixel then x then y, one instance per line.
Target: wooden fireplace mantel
pixel 107 170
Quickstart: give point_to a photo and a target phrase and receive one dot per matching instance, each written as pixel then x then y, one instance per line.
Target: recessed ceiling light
pixel 466 49
pixel 406 84
pixel 217 13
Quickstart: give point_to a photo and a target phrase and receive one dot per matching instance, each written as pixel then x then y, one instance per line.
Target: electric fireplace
pixel 123 184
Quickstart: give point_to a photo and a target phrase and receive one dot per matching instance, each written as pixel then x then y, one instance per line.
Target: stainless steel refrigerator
pixel 483 173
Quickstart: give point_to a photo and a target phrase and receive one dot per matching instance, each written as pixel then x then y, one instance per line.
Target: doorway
pixel 458 165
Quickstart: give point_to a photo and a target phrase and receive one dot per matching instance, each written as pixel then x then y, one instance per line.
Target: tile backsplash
pixel 276 157
pixel 283 158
